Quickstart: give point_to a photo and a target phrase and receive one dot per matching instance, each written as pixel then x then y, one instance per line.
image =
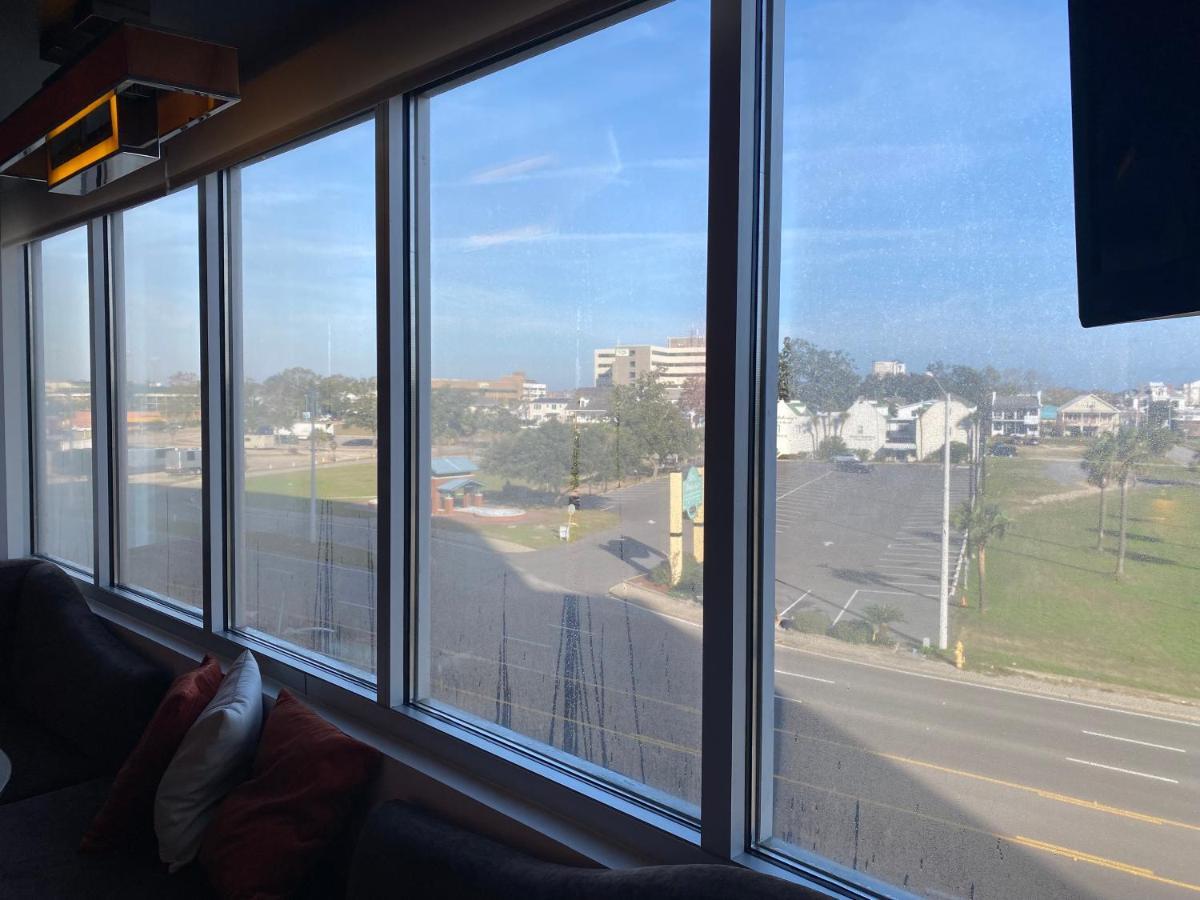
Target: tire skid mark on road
pixel 1145 818
pixel 1031 843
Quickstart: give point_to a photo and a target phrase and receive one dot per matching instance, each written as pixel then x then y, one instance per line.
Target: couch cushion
pixel 275 828
pixel 404 851
pixel 12 576
pixel 39 858
pixel 41 761
pixel 73 676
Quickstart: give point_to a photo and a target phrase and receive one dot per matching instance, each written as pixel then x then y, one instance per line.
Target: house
pixel 542 409
pixel 794 432
pixel 1087 415
pixel 1016 415
pixel 929 433
pixel 865 426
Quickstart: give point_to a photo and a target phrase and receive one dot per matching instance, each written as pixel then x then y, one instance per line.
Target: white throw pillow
pixel 215 756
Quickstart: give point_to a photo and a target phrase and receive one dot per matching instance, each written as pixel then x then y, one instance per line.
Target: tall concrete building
pixel 888 367
pixel 682 358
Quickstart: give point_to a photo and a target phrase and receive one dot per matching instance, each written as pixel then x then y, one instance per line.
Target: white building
pixel 533 390
pixel 865 426
pixel 1017 414
pixel 917 430
pixel 682 358
pixel 888 367
pixel 544 409
pixel 794 433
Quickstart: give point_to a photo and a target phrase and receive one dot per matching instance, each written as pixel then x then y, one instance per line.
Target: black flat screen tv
pixel 1135 96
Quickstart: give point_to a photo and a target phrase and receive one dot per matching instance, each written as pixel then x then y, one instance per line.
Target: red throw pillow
pixel 270 831
pixel 127 817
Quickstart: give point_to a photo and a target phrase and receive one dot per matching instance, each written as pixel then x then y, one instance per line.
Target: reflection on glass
pixel 63 401
pixel 306 520
pixel 927 295
pixel 566 296
pixel 160 504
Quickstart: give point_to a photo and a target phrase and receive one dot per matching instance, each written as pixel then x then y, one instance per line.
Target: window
pixel 156 309
pixel 62 398
pixel 991 519
pixel 304 292
pixel 567 210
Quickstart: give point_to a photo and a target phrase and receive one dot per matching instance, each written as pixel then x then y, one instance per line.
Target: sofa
pixel 75 698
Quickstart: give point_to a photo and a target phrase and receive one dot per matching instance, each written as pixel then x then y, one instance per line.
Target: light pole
pixel 944 598
pixel 312 466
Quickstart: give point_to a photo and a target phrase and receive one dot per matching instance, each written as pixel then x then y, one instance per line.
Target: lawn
pixel 537 530
pixel 1054 605
pixel 353 481
pixel 1020 481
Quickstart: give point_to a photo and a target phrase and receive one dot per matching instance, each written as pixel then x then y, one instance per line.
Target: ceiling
pixel 263 31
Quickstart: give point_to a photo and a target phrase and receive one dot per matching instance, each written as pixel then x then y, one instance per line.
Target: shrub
pixel 831 447
pixel 852 631
pixel 807 621
pixel 691 584
pixel 959 452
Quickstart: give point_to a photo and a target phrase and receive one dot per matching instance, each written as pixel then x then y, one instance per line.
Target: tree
pixel 182 403
pixel 284 396
pixel 452 415
pixel 1099 463
pixel 1131 448
pixel 651 427
pixel 691 397
pixel 541 456
pixel 823 380
pixel 981 524
pixel 879 616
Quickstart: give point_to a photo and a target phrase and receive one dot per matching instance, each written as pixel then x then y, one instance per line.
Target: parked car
pixel 359 442
pixel 851 464
pixel 1004 450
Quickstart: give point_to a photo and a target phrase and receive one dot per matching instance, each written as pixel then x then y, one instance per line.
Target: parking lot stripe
pixel 805 484
pixel 844 608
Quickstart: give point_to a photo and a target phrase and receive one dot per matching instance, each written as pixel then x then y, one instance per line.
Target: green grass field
pixel 353 481
pixel 1054 605
pixel 538 530
pixel 1019 481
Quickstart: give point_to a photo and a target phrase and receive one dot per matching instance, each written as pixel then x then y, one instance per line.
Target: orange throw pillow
pixel 268 833
pixel 127 818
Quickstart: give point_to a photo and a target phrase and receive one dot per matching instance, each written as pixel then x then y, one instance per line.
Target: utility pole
pixel 944 592
pixel 312 466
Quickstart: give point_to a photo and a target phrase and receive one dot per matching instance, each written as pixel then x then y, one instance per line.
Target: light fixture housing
pixel 108 113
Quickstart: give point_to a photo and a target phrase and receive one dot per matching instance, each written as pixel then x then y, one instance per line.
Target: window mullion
pixel 102 238
pixel 213 409
pixel 733 158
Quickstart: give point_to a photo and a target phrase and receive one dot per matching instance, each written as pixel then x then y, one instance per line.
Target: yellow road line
pixel 1031 843
pixel 1094 805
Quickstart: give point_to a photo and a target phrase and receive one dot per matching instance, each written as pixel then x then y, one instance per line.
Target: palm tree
pixel 981 524
pixel 1131 448
pixel 1099 463
pixel 879 616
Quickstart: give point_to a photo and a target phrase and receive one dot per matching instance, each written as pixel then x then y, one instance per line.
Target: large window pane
pixel 157 307
pixel 566 302
pixel 306 516
pixel 928 228
pixel 62 398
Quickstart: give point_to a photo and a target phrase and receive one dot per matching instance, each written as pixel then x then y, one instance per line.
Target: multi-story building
pixel 1017 415
pixel 917 430
pixel 883 367
pixel 533 390
pixel 682 358
pixel 1086 415
pixel 507 389
pixel 865 426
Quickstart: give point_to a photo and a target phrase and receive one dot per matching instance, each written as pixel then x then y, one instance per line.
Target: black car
pixel 1004 450
pixel 851 464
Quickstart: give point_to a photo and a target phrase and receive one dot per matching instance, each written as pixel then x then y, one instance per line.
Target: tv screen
pixel 1135 87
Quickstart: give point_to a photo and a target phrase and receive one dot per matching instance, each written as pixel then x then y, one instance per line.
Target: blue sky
pixel 927 206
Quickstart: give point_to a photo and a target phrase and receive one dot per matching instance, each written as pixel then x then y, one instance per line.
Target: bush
pixel 851 631
pixel 959 452
pixel 807 621
pixel 831 447
pixel 691 585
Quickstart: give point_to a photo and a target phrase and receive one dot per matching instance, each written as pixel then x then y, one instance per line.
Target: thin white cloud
pixel 512 171
pixel 519 235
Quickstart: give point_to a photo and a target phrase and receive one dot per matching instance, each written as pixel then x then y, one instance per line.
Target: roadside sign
pixel 693 492
pixel 564 533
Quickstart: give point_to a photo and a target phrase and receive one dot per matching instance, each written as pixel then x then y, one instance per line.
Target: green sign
pixel 693 492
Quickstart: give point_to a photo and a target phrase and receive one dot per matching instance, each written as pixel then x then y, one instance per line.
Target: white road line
pixel 1113 737
pixel 806 484
pixel 788 699
pixel 897 593
pixel 844 608
pixel 1084 762
pixel 509 637
pixel 806 677
pixel 1000 690
pixel 793 603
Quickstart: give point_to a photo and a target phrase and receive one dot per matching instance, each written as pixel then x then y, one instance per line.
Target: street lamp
pixel 944 599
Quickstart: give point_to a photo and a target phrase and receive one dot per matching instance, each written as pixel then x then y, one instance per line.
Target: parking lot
pixel 847 540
